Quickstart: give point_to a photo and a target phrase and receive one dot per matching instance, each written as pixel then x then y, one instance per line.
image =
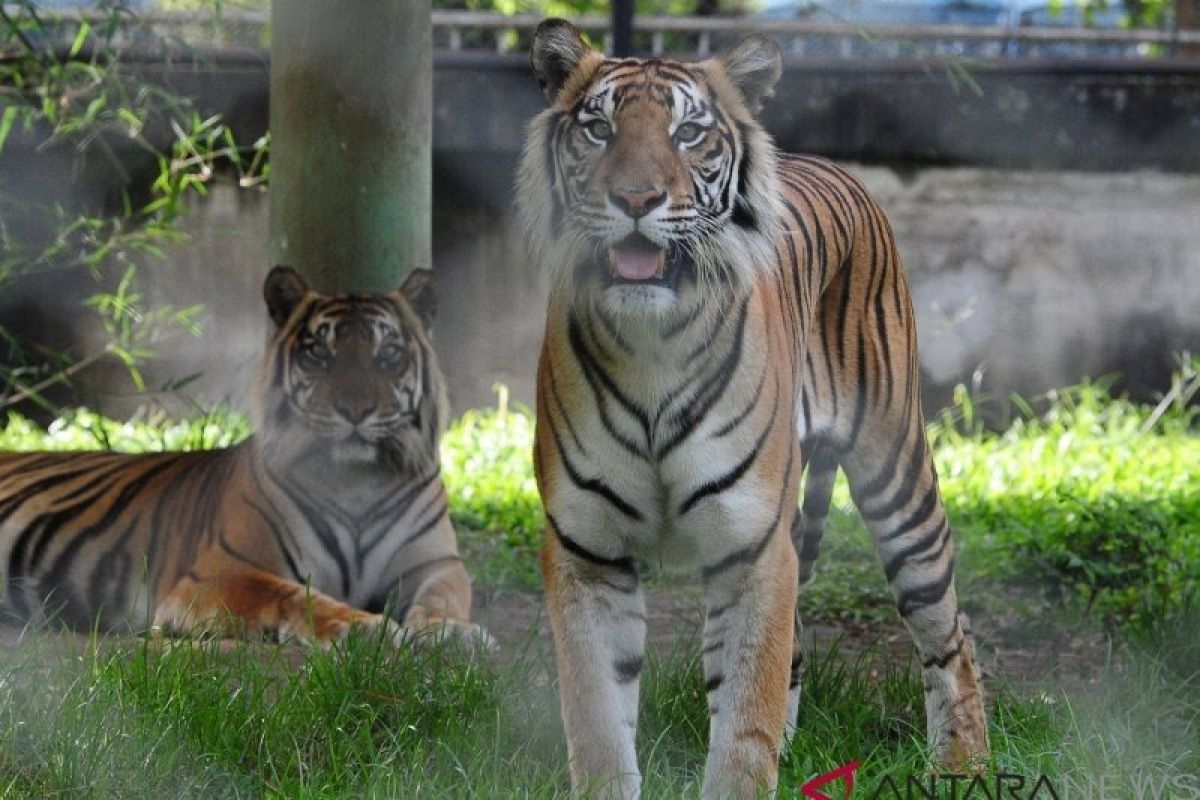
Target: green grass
pixel 133 718
pixel 251 720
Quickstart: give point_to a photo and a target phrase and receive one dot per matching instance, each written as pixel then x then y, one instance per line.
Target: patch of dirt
pixel 1024 647
pixel 1026 650
pixel 1042 648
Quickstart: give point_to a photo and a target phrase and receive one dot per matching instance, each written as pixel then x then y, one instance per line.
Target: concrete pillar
pixel 351 125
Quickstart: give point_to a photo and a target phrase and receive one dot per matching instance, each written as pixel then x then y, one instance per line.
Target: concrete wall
pixel 1044 278
pixel 1050 221
pixel 1038 278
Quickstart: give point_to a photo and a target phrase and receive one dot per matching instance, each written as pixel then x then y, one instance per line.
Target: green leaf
pixel 131 119
pixel 80 37
pixel 6 123
pixel 94 108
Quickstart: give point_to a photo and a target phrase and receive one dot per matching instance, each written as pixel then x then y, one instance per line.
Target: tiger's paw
pixel 431 629
pixel 965 748
pixel 955 709
pixel 466 635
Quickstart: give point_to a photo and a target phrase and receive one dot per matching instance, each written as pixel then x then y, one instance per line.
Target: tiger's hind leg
pixel 807 529
pixel 894 485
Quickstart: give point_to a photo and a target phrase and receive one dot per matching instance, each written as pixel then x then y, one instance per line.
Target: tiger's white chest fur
pixel 653 448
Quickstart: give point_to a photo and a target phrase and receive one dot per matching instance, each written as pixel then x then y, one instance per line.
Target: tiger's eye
pixel 688 132
pixel 314 354
pixel 391 355
pixel 599 129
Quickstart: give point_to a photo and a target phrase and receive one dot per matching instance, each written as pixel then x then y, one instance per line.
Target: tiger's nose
pixel 637 203
pixel 353 412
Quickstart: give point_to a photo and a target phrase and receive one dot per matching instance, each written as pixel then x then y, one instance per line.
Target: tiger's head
pixel 650 182
pixel 352 377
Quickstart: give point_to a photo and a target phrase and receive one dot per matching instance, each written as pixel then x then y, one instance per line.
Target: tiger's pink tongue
pixel 636 264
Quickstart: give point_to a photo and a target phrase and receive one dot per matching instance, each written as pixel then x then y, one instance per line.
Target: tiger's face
pixel 353 376
pixel 648 181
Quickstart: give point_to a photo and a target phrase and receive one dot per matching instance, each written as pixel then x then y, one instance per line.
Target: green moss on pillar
pixel 351 126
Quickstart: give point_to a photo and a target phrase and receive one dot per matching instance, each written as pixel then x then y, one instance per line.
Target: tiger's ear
pixel 557 50
pixel 753 65
pixel 418 291
pixel 283 291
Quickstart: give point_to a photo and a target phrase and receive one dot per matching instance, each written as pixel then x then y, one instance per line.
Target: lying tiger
pixel 331 512
pixel 725 317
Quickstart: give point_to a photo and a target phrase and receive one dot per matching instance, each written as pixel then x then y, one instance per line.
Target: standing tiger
pixel 331 511
pixel 723 318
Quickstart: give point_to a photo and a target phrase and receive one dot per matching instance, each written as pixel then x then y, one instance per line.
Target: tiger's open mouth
pixel 637 261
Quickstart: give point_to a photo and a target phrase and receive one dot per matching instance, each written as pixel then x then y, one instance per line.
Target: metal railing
pixel 701 36
pixel 226 30
pixel 464 31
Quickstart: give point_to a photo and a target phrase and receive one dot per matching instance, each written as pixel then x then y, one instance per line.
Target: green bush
pixel 108 117
pixel 488 469
pixel 145 432
pixel 1095 494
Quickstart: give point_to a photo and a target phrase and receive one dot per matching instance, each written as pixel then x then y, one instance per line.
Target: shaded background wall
pixel 1049 215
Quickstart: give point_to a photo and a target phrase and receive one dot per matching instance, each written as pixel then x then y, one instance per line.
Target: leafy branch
pixel 82 98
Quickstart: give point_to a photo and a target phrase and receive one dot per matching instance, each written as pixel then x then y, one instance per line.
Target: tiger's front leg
pixel 440 608
pixel 747 650
pixel 242 600
pixel 598 616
